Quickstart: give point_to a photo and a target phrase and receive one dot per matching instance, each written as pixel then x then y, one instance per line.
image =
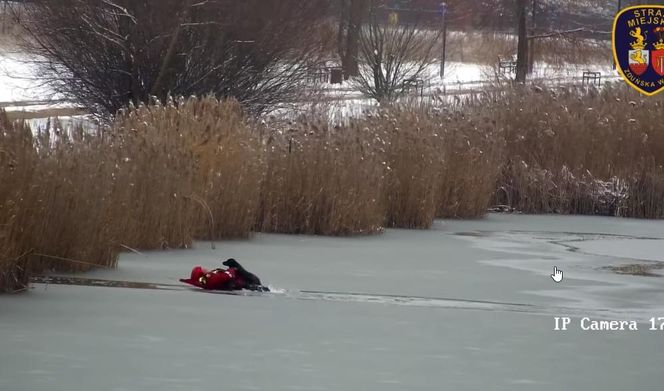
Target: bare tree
pixel 106 53
pixel 392 55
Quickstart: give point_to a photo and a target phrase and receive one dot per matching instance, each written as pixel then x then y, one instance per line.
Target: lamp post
pixel 4 15
pixel 533 29
pixel 442 11
pixel 619 8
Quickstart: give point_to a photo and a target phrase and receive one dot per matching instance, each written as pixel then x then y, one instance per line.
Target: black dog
pixel 251 279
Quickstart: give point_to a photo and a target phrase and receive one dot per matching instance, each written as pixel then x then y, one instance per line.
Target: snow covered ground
pixel 468 305
pixel 19 79
pixel 461 75
pixel 20 82
pixel 462 80
pixel 22 90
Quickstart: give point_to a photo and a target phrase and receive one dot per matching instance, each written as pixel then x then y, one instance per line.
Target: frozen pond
pixel 468 305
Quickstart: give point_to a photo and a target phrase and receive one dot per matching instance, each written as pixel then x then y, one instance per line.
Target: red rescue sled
pixel 217 279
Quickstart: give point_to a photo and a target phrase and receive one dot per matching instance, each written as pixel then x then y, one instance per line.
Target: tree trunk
pixel 341 32
pixel 355 17
pixel 522 51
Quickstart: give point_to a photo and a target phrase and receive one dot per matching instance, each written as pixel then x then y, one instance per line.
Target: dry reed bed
pixel 583 152
pixel 154 179
pixel 443 164
pixel 415 160
pixel 17 168
pixel 53 203
pixel 400 167
pixel 322 179
pixel 474 157
pixel 196 157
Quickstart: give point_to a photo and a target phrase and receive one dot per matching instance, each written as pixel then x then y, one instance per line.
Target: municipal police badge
pixel 638 47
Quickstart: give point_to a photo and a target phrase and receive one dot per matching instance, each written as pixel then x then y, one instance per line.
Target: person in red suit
pixel 234 278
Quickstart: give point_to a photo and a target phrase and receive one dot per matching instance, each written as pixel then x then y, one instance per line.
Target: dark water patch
pixel 82 281
pixel 506 209
pixel 638 269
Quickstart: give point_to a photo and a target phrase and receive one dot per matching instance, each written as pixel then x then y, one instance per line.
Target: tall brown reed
pixel 474 154
pixel 17 162
pixel 74 216
pixel 587 152
pixel 443 163
pixel 198 157
pixel 399 167
pixel 414 156
pixel 323 180
pixel 71 200
pixel 54 203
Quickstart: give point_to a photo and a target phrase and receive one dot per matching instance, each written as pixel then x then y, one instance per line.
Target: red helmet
pixel 197 277
pixel 197 272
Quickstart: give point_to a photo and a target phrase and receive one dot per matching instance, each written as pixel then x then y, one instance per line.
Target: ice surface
pixel 467 305
pixel 638 249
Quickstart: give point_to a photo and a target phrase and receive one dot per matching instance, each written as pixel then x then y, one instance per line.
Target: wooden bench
pixel 318 76
pixel 590 77
pixel 417 84
pixel 332 75
pixel 507 66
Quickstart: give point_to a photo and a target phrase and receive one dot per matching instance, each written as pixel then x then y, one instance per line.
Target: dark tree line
pixel 501 15
pixel 106 53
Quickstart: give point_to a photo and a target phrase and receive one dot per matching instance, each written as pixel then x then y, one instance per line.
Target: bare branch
pixel 103 54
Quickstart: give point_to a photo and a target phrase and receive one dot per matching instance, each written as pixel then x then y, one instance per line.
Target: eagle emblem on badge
pixel 638 47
